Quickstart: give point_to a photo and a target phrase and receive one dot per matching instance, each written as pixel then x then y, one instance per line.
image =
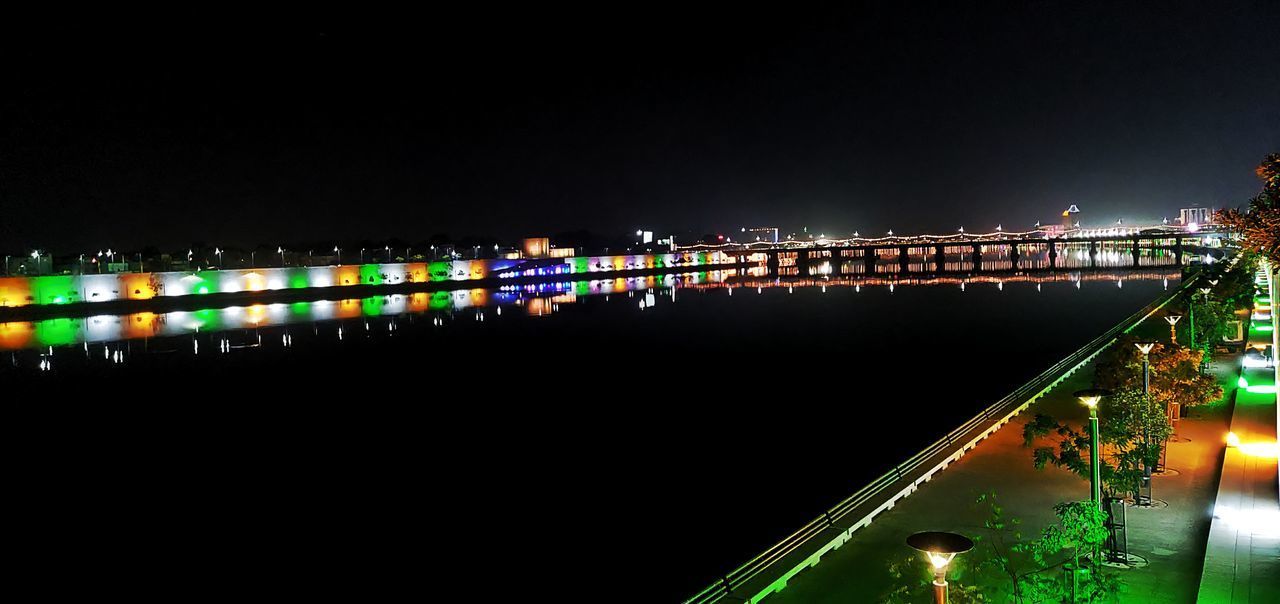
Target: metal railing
pixel 836 517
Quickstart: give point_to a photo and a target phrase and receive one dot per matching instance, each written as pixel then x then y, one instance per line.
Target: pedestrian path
pixel 1242 558
pixel 1170 537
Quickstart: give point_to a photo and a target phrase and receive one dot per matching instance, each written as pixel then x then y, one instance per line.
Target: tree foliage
pixel 1006 566
pixel 1260 226
pixel 1132 430
pixel 1175 373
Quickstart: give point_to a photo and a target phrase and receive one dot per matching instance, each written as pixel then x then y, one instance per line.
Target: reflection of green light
pixel 1262 327
pixel 56 332
pixel 582 288
pixel 372 307
pixel 300 309
pixel 1262 389
pixel 440 301
pixel 204 289
pixel 208 319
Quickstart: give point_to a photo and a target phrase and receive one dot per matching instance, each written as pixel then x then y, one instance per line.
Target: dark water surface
pixel 587 444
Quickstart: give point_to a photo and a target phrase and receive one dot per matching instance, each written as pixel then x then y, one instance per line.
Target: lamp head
pixel 1091 396
pixel 1173 319
pixel 1145 347
pixel 940 547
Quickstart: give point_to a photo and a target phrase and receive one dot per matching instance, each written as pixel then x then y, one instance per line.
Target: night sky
pixel 512 124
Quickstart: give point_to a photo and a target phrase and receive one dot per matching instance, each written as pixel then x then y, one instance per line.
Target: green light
pixel 370 274
pixel 439 271
pixel 1262 327
pixel 372 307
pixel 59 300
pixel 1261 389
pixel 1242 383
pixel 298 279
pixel 204 289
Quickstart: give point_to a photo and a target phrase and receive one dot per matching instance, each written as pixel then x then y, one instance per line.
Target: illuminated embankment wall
pixel 68 289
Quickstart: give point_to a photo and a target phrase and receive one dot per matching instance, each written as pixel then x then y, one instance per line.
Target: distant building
pixel 540 247
pixel 536 247
pixel 1070 217
pixel 1188 216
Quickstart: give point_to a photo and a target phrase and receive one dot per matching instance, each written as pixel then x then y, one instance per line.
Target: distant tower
pixel 1070 217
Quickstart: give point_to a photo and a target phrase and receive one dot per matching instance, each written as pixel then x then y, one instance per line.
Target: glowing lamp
pixel 1233 440
pixel 1090 397
pixel 940 548
pixel 1145 347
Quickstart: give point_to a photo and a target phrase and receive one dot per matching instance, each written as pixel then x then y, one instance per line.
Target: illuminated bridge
pixel 971 251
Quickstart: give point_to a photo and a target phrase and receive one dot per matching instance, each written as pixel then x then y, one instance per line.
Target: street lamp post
pixel 338 251
pixel 361 255
pixel 1172 320
pixel 1204 359
pixel 1144 495
pixel 940 548
pixel 281 250
pixel 1090 398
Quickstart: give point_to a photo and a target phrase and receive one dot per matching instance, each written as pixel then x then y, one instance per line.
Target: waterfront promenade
pixel 1242 561
pixel 1170 536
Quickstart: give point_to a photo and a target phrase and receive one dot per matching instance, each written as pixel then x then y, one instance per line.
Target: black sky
pixel 511 123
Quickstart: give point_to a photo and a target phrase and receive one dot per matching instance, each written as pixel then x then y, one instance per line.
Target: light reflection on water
pixel 534 300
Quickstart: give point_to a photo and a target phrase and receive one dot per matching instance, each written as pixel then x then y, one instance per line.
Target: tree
pixel 1132 431
pixel 1175 373
pixel 1260 226
pixel 1005 566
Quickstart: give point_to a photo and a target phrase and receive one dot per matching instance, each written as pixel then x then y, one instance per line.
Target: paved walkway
pixel 1171 538
pixel 1242 561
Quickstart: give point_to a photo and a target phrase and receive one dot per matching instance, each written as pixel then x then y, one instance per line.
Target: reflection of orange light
pixel 1266 450
pixel 348 309
pixel 256 313
pixel 419 302
pixel 538 307
pixel 565 298
pixel 16 335
pixel 140 325
pixel 479 297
